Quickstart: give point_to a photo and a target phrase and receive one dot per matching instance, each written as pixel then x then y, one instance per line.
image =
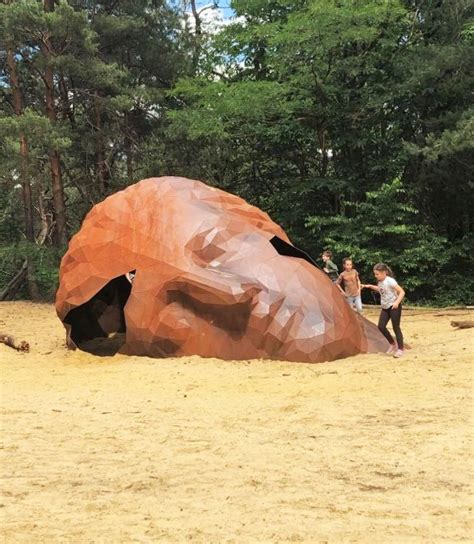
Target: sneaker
pixel 398 353
pixel 392 349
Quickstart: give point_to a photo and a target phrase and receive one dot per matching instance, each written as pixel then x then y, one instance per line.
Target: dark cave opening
pixel 98 326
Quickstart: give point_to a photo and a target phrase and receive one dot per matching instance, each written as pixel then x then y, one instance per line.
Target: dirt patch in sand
pixel 133 449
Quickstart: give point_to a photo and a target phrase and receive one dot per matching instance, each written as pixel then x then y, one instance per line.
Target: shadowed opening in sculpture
pixel 284 248
pixel 232 318
pixel 98 325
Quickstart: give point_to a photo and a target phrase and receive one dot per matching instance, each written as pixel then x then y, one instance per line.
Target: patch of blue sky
pixel 223 5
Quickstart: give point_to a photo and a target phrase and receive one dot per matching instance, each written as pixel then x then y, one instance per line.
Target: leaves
pixel 349 122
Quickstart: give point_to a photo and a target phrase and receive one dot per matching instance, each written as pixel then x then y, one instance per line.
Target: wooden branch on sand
pixel 462 324
pixel 11 342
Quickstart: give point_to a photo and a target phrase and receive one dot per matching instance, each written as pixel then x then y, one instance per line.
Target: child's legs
pixel 396 316
pixel 384 318
pixel 355 302
pixel 358 303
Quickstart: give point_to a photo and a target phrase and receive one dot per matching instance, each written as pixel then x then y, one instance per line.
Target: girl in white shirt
pixel 391 296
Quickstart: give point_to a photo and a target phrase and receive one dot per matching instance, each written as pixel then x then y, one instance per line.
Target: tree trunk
pixel 197 32
pixel 46 214
pixel 15 283
pixel 54 156
pixel 25 182
pixel 197 18
pixel 101 166
pixel 321 135
pixel 129 154
pixel 128 149
pixel 66 106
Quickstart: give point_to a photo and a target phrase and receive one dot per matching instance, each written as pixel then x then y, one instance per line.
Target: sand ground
pixel 126 449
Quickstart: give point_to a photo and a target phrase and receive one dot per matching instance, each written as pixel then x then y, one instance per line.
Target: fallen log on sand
pixel 462 324
pixel 11 342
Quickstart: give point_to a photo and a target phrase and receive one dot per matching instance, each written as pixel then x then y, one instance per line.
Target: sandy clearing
pixel 128 449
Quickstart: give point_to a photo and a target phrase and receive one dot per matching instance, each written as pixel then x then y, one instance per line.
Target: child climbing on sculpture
pixel 329 267
pixel 348 283
pixel 391 296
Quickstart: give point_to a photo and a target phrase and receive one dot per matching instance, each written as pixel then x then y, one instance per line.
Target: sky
pixel 224 6
pixel 213 19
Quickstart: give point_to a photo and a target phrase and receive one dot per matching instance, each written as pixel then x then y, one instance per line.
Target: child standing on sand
pixel 349 279
pixel 329 267
pixel 391 296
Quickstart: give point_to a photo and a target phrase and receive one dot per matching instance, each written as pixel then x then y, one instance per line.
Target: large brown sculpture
pixel 214 276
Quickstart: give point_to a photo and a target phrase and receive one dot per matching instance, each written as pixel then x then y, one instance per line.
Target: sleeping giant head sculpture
pixel 181 268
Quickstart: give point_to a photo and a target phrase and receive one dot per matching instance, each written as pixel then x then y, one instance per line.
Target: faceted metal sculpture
pixel 181 268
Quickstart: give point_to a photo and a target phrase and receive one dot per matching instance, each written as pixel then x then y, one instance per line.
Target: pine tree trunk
pixel 101 166
pixel 129 154
pixel 197 18
pixel 54 156
pixel 15 283
pixel 66 108
pixel 128 149
pixel 25 183
pixel 197 32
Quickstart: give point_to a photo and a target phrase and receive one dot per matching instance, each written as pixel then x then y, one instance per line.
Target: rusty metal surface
pixel 208 281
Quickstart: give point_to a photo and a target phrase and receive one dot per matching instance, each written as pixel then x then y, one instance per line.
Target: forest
pixel 349 121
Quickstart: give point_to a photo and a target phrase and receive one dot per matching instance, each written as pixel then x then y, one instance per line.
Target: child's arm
pixel 368 286
pixel 330 266
pixel 338 284
pixel 401 296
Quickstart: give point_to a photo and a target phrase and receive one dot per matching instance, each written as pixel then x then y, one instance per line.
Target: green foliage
pixel 453 141
pixel 320 106
pixel 45 261
pixel 350 122
pixel 386 228
pixel 42 134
